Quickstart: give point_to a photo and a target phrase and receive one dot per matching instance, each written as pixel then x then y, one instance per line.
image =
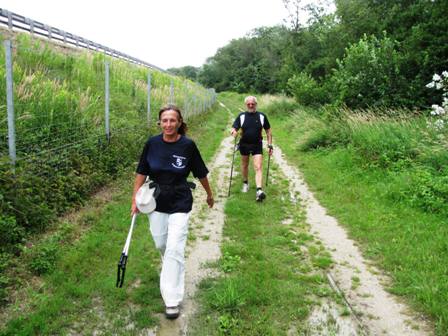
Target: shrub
pixel 306 90
pixel 43 257
pixel 369 74
pixel 10 232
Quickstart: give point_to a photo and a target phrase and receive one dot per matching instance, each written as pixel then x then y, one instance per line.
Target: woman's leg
pixel 158 225
pixel 172 277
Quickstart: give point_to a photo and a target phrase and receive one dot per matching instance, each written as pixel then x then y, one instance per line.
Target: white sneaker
pixel 172 312
pixel 245 187
pixel 260 195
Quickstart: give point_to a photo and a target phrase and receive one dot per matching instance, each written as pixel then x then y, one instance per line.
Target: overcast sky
pixel 166 33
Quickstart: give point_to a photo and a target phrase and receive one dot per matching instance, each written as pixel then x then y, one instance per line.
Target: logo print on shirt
pixel 179 163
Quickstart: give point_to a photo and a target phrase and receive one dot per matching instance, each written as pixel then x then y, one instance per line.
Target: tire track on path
pixel 381 313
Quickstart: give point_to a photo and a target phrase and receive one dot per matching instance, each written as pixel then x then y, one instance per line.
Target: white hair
pixel 250 98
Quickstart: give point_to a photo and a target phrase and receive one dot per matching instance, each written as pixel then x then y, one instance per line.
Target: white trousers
pixel 169 232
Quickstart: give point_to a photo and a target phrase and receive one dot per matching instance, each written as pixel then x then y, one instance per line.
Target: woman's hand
pixel 134 209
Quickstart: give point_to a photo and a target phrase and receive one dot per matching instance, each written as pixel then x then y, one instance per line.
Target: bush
pixel 429 190
pixel 370 75
pixel 306 90
pixel 4 281
pixel 10 232
pixel 43 257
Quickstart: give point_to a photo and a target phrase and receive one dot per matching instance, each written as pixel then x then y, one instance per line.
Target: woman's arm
pixel 206 185
pixel 139 180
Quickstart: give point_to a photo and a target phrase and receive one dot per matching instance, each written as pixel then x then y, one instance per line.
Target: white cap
pixel 144 199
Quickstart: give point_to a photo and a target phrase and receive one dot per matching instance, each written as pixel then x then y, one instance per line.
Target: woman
pixel 168 159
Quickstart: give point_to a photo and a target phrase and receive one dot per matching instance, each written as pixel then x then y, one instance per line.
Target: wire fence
pixel 71 120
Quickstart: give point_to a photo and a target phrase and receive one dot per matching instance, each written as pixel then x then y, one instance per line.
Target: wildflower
pixel 445 74
pixel 436 78
pixel 437 110
pixel 439 124
pixel 430 85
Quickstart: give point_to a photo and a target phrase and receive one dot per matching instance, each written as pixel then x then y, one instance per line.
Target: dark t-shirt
pixel 169 164
pixel 251 127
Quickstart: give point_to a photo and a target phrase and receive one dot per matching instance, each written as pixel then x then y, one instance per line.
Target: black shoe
pixel 260 195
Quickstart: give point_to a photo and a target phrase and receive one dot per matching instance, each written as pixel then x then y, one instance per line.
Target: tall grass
pixel 384 176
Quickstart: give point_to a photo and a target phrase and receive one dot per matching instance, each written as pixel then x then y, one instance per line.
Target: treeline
pixel 365 53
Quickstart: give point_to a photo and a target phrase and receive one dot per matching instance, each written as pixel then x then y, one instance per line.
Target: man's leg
pixel 258 166
pixel 245 171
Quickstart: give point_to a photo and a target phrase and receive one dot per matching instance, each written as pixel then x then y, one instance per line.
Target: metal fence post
pixel 149 99
pixel 9 20
pixel 10 102
pixel 106 100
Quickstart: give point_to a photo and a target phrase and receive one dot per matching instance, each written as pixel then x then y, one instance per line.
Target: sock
pixel 258 188
pixel 246 182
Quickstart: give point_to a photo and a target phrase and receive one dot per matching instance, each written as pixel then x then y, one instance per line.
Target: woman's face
pixel 169 122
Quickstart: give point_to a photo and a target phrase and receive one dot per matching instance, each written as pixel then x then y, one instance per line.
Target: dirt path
pixel 379 312
pixel 207 245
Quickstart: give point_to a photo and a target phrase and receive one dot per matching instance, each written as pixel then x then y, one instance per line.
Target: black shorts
pixel 251 149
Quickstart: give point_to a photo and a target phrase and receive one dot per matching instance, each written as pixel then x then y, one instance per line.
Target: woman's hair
pixel 183 127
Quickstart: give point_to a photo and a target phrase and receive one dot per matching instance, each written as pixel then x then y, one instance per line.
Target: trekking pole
pixel 231 169
pixel 124 255
pixel 267 172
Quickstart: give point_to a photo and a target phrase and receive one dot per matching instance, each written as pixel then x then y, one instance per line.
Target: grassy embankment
pixel 385 179
pixel 79 295
pixel 63 155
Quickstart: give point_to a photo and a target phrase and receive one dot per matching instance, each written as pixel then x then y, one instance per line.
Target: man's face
pixel 251 105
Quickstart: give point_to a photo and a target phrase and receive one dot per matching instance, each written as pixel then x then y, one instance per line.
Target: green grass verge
pixel 407 242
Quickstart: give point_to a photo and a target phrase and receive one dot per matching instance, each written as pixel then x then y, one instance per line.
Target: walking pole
pixel 267 172
pixel 231 169
pixel 124 255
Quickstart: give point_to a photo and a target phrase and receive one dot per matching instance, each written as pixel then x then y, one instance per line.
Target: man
pixel 252 123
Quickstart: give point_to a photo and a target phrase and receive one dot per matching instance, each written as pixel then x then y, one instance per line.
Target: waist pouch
pixel 171 187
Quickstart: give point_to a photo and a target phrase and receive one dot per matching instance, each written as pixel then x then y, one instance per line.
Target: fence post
pixel 106 100
pixel 10 102
pixel 10 26
pixel 149 99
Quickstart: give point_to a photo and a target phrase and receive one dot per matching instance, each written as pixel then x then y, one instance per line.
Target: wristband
pixel 270 147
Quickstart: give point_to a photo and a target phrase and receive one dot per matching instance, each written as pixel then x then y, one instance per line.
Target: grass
pixel 369 187
pixel 77 293
pixel 271 274
pixel 63 155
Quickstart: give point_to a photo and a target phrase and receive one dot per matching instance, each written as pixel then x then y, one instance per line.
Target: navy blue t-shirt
pixel 169 164
pixel 252 126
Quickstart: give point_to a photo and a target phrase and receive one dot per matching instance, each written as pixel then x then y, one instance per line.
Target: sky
pixel 165 33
